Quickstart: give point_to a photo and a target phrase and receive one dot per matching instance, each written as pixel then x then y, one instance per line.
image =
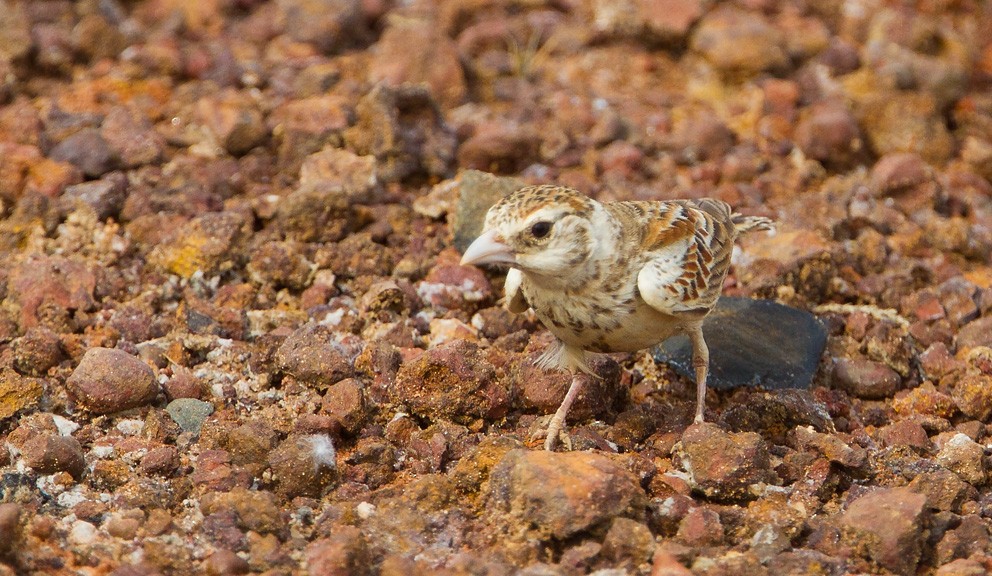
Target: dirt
pixel 235 336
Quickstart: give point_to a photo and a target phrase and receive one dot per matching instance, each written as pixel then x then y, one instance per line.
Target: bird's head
pixel 542 230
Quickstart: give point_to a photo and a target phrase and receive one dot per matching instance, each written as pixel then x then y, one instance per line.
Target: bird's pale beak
pixel 488 249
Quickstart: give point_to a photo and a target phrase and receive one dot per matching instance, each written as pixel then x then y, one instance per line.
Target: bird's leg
pixel 558 420
pixel 700 361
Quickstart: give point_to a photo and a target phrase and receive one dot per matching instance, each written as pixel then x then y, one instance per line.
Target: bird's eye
pixel 540 229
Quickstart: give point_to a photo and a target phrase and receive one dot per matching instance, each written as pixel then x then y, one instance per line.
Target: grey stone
pixel 189 413
pixel 477 192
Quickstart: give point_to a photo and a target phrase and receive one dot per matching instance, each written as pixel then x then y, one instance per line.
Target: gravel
pixel 235 336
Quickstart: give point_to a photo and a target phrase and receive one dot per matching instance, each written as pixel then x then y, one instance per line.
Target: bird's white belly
pixel 617 329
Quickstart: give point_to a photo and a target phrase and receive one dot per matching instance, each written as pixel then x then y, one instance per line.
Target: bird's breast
pixel 599 321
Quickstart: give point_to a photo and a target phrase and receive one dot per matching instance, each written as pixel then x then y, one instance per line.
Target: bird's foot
pixel 698 419
pixel 551 433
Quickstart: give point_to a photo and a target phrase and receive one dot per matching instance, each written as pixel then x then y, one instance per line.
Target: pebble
pixel 51 453
pixel 82 533
pixel 250 443
pixel 183 384
pixel 344 553
pixel 936 362
pixel 621 159
pixel 866 379
pixel 561 495
pixel 476 192
pixel 131 138
pixel 773 414
pixel 280 264
pixel 905 433
pixel 16 30
pixel 10 526
pixel 417 52
pixel 965 457
pixel 254 509
pixel 906 122
pixel 958 298
pixel 737 42
pixel 309 357
pixel 897 172
pixel 975 333
pixel 109 380
pixel 828 132
pixel 18 393
pixel 664 563
pixel 37 351
pixel 163 461
pixel 87 151
pixel 105 196
pixel 805 561
pixel 973 395
pixel 499 148
pixel 342 171
pixel 830 446
pixel 888 523
pixel 628 540
pixel 924 399
pixel 306 125
pixel 962 567
pixel 723 465
pixel 405 131
pixel 212 471
pixel 727 563
pixel 943 489
pixel 54 281
pixel 327 24
pixel 344 401
pixel 701 527
pixel 701 136
pixel 304 466
pixel 453 287
pixel 315 215
pixel 543 390
pixel 385 296
pixel 225 563
pixel 189 413
pixel 969 538
pixel 443 330
pixel 666 22
pixel 208 244
pixel 234 121
pixel 453 381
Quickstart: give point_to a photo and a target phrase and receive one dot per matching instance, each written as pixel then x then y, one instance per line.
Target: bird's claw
pixel 566 441
pixel 542 433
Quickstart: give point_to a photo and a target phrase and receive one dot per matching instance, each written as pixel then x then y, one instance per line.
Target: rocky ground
pixel 235 337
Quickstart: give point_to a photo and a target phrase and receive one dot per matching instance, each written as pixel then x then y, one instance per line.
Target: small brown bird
pixel 611 277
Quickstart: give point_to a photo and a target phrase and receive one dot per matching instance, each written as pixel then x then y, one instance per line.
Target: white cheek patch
pixel 547 261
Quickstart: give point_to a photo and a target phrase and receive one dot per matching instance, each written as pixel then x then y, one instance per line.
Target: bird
pixel 607 277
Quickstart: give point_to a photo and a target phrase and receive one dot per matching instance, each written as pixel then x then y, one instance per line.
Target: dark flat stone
pixel 753 343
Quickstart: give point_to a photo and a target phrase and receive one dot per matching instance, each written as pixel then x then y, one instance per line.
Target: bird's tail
pixel 746 224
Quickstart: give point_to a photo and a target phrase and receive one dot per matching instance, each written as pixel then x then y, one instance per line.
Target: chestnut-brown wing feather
pixel 688 244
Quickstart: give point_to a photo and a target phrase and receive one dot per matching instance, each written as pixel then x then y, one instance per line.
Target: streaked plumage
pixel 611 277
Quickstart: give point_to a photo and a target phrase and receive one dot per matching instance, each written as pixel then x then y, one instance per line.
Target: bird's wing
pixel 515 300
pixel 688 244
